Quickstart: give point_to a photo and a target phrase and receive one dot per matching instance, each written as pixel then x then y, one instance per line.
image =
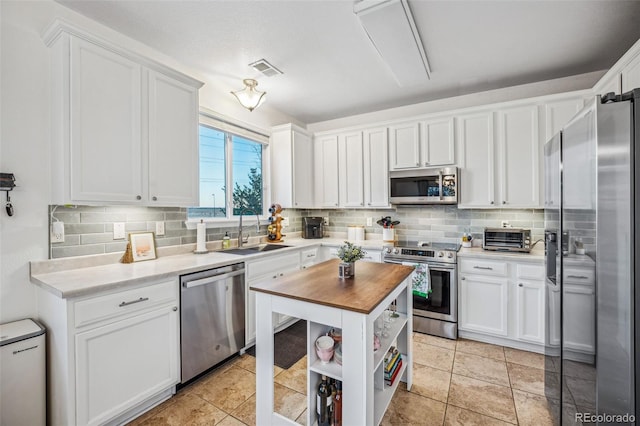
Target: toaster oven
pixel 507 239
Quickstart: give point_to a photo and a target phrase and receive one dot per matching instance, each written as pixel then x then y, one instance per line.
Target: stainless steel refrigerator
pixel 591 209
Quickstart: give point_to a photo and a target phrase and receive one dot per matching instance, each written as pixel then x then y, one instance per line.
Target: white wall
pixel 25 136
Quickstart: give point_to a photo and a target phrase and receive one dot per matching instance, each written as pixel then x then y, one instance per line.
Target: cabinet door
pixel 476 160
pixel 351 170
pixel 404 146
pixel 376 168
pixel 558 113
pixel 519 153
pixel 631 75
pixel 326 171
pixel 106 143
pixel 578 318
pixel 121 364
pixel 483 304
pixel 530 311
pixel 302 170
pixel 173 142
pixel 438 142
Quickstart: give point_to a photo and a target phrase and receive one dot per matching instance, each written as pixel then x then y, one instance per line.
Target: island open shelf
pixel 317 295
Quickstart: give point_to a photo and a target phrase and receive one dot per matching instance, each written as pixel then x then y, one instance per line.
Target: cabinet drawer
pixel 579 275
pixel 530 272
pixel 124 302
pixel 274 264
pixel 484 267
pixel 309 256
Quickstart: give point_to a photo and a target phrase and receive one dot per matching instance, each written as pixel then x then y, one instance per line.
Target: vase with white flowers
pixel 349 254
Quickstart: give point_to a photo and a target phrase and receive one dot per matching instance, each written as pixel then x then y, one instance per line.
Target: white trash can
pixel 22 374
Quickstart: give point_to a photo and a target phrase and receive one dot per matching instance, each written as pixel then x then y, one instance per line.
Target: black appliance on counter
pixel 312 227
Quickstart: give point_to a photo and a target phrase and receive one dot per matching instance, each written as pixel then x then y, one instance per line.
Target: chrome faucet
pixel 242 240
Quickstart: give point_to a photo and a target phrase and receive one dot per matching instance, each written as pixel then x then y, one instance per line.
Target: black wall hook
pixel 7 183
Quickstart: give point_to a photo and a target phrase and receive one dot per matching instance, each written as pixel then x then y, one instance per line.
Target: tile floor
pixel 454 383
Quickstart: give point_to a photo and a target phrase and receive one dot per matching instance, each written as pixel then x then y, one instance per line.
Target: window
pixel 231 174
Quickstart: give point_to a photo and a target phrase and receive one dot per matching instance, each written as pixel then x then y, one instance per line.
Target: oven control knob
pixel 396 251
pixel 387 250
pixel 450 255
pixel 440 254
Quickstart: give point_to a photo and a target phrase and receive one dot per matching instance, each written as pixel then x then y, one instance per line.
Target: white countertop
pixel 536 255
pixel 74 277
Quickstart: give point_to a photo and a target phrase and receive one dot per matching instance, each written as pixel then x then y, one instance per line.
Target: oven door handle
pixel 432 266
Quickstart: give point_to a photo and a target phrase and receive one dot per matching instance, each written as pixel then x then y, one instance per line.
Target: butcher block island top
pixel 320 284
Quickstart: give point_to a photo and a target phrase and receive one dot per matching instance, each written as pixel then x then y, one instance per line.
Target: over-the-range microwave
pixel 424 186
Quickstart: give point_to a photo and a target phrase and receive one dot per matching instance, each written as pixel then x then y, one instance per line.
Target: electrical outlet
pixel 118 231
pixel 505 224
pixel 285 221
pixel 160 228
pixel 326 220
pixel 369 221
pixel 57 232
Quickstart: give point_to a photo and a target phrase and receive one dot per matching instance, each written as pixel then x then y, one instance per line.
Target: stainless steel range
pixel 436 314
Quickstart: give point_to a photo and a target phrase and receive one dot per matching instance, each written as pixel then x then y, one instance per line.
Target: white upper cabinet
pixel 428 143
pixel 558 113
pixel 438 142
pixel 476 150
pixel 325 153
pixel 404 146
pixel 173 147
pixel 291 167
pixel 376 166
pixel 104 139
pixel 519 157
pixel 631 75
pixel 351 163
pixel 125 129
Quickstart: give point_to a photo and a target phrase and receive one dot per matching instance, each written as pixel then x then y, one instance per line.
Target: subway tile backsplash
pixel 89 229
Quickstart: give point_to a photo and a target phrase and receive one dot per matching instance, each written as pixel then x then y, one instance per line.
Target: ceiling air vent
pixel 265 68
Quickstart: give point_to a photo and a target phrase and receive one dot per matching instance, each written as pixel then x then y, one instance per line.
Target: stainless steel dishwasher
pixel 212 317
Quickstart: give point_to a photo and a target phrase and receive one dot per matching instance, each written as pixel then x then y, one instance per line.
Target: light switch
pixel 118 231
pixel 369 221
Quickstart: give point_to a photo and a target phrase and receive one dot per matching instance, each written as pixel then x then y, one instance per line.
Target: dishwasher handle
pixel 212 279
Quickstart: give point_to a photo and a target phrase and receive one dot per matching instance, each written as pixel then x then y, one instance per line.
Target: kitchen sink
pixel 254 249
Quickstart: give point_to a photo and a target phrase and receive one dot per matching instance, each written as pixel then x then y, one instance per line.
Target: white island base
pixel 365 394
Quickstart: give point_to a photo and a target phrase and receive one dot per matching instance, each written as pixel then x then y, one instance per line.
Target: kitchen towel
pixel 201 237
pixel 420 282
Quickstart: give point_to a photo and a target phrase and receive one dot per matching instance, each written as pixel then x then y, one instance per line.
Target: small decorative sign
pixel 143 246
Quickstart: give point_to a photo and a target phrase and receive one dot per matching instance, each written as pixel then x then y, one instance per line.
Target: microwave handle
pixel 440 184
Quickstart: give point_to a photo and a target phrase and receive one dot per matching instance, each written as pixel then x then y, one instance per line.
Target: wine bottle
pixel 337 405
pixel 323 403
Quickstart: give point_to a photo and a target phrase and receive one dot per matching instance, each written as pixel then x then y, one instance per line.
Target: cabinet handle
pixel 463 278
pixel 417 164
pixel 486 268
pixel 580 277
pixel 362 204
pixel 281 273
pixel 142 299
pixel 275 276
pixel 336 204
pixel 426 163
pixel 368 204
pixel 311 255
pixel 154 198
pixel 520 285
pixel 175 308
pixel 139 197
pixel 504 202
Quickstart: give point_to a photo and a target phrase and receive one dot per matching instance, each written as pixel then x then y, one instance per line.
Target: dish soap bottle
pixel 226 241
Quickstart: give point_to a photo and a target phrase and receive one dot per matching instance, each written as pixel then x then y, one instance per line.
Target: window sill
pixel 226 222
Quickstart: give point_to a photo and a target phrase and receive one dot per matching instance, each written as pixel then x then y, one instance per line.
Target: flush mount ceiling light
pixel 390 26
pixel 249 97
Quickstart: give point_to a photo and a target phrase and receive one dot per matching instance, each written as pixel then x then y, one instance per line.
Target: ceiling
pixel 332 70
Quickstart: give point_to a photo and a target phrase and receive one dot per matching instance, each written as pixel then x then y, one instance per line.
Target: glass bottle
pixel 337 405
pixel 323 403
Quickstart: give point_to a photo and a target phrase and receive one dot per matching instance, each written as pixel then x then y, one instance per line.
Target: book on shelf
pixel 389 374
pixel 391 358
pixel 392 380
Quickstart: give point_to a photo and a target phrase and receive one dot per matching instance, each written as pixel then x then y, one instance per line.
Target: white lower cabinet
pixel 269 269
pixel 111 356
pixel 502 301
pixel 121 364
pixel 483 304
pixel 579 303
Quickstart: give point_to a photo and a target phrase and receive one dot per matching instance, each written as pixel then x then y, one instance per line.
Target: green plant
pixel 350 253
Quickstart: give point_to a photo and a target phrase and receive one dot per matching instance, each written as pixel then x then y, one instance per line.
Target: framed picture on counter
pixel 143 246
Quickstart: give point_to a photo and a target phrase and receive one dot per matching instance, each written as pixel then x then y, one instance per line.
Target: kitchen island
pixel 317 295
